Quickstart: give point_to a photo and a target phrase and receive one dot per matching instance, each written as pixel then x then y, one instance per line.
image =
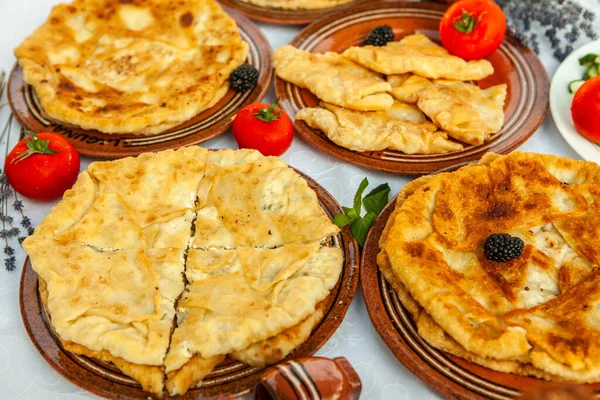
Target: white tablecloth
pixel 25 375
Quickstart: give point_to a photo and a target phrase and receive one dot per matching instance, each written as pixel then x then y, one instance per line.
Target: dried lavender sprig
pixel 4 233
pixel 563 21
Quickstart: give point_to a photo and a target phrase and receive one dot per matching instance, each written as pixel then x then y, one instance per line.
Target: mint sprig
pixel 373 203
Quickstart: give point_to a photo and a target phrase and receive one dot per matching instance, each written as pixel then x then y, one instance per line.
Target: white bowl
pixel 560 102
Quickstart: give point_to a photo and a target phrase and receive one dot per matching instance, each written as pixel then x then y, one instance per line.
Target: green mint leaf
pixel 361 226
pixel 350 212
pixel 376 200
pixel 588 59
pixel 342 220
pixel 358 196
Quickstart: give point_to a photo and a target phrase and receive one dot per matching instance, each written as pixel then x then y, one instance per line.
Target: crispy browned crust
pixel 564 340
pixel 179 381
pixel 175 84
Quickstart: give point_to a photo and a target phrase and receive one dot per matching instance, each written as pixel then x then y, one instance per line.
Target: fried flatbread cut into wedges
pixel 148 199
pixel 468 113
pixel 419 55
pixel 276 348
pixel 257 203
pixel 120 302
pixel 297 4
pixel 125 67
pixel 240 297
pixel 157 186
pixel 379 130
pixel 333 78
pixel 110 261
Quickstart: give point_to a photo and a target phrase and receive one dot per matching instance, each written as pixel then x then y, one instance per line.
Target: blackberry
pixel 380 36
pixel 244 77
pixel 502 247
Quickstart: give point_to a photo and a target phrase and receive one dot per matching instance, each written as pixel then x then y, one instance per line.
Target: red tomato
pixel 585 109
pixel 263 127
pixel 473 29
pixel 42 166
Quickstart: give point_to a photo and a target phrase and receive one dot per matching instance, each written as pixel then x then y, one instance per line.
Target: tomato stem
pixel 35 145
pixel 467 22
pixel 270 113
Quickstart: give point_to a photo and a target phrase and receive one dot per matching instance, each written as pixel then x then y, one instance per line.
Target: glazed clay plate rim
pixel 450 376
pixel 204 126
pixel 526 108
pixel 285 17
pixel 104 380
pixel 560 102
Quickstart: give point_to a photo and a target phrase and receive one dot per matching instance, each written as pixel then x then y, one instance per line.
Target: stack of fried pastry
pixel 297 4
pixel 131 67
pixel 427 104
pixel 534 315
pixel 167 263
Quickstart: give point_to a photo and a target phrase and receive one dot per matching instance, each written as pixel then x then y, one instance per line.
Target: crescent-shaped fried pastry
pixel 465 111
pixel 333 78
pixel 402 127
pixel 421 56
pixel 406 87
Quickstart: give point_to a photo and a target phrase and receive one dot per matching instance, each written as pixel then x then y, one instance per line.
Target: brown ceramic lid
pixel 516 65
pixel 204 126
pixel 231 378
pixel 310 378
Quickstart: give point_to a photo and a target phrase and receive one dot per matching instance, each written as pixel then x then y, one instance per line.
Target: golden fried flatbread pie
pixel 240 297
pixel 111 259
pixel 333 79
pixel 276 348
pixel 257 203
pixel 115 306
pixel 419 55
pixel 131 67
pixel 402 127
pixel 149 200
pixel 522 316
pixel 297 4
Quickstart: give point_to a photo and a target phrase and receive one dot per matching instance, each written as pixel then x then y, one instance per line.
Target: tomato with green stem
pixel 263 127
pixel 473 29
pixel 42 166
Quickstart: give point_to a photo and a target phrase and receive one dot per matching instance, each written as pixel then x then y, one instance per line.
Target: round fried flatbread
pixel 136 67
pixel 533 315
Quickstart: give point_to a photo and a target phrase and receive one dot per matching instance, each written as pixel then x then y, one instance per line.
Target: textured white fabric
pixel 25 375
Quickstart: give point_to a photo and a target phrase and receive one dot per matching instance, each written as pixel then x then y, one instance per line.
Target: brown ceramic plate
pixel 516 65
pixel 285 17
pixel 451 376
pixel 231 378
pixel 204 126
